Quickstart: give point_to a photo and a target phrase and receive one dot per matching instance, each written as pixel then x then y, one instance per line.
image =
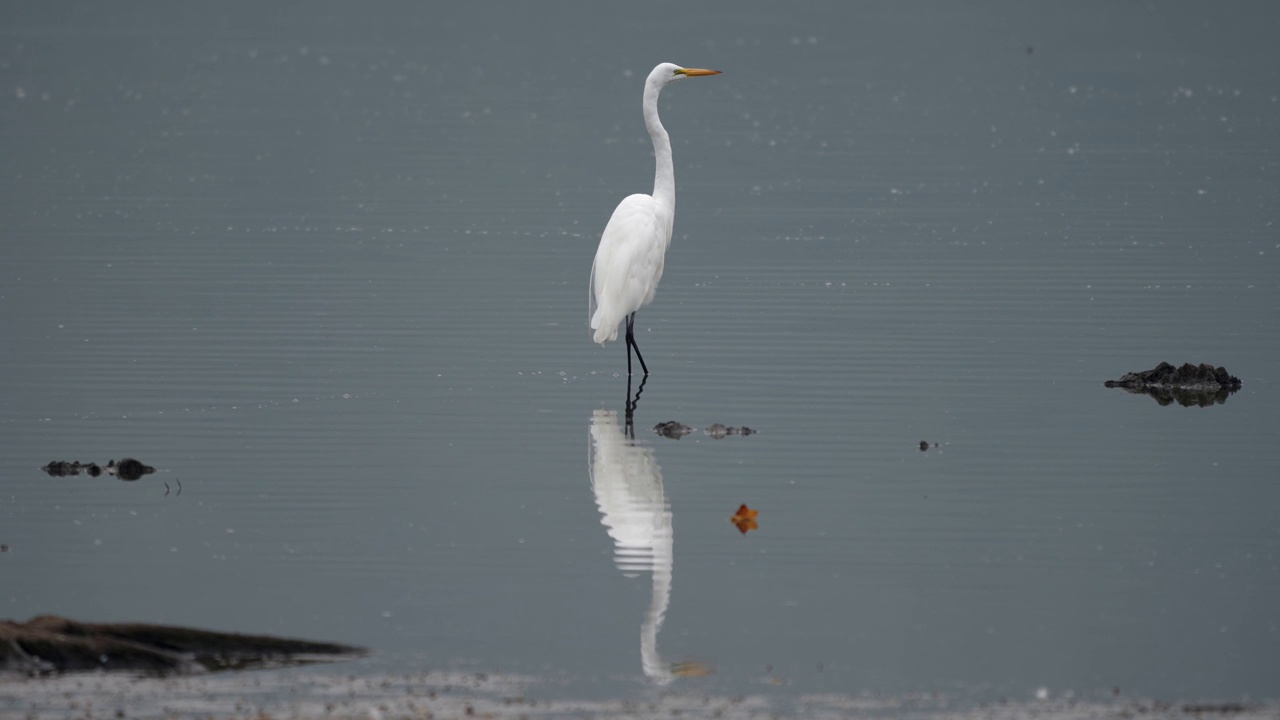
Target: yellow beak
pixel 695 72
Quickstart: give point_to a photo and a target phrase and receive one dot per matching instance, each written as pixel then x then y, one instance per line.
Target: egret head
pixel 667 73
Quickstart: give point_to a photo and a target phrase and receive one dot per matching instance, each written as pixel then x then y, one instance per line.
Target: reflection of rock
pixel 126 469
pixel 716 431
pixel 52 644
pixel 672 429
pixel 129 469
pixel 62 468
pixel 1201 385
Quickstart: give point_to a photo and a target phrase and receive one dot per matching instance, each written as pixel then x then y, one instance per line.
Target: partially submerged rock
pixel 1187 377
pixel 50 644
pixel 1188 385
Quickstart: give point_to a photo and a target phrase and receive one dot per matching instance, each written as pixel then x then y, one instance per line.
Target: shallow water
pixel 328 270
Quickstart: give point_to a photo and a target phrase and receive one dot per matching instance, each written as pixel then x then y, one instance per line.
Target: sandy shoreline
pixel 281 696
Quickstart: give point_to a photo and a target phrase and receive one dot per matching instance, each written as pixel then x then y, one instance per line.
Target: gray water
pixel 326 265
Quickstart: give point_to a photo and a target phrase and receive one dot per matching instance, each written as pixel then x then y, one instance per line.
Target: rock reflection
pixel 674 430
pixel 127 469
pixel 1182 396
pixel 627 483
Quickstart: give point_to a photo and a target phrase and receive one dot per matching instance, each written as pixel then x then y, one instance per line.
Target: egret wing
pixel 628 265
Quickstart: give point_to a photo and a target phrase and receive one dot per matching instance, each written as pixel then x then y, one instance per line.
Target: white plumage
pixel 629 261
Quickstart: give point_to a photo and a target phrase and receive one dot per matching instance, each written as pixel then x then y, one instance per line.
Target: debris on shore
pixel 49 644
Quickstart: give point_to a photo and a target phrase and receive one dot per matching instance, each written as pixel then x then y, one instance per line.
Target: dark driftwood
pixel 50 644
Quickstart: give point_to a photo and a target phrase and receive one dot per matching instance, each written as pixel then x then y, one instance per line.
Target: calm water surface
pixel 327 268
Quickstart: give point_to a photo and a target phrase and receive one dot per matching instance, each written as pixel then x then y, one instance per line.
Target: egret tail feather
pixel 605 331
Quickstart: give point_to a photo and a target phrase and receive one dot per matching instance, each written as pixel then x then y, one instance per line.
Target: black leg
pixel 632 403
pixel 630 340
pixel 630 428
pixel 631 344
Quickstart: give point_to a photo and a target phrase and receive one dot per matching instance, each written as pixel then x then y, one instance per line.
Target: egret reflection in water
pixel 627 483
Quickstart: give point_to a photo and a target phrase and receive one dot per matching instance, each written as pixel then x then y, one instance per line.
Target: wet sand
pixel 270 695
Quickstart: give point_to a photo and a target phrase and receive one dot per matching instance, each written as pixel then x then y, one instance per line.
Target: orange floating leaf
pixel 745 519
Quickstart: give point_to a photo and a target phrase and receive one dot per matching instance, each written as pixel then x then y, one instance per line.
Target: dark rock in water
pixel 51 644
pixel 129 469
pixel 1200 385
pixel 1187 377
pixel 672 429
pixel 62 468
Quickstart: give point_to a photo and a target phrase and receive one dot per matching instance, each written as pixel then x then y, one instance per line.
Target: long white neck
pixel 664 176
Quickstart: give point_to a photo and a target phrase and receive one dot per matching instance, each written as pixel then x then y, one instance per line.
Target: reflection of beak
pixel 691 668
pixel 695 72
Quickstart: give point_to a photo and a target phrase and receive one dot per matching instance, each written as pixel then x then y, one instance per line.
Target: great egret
pixel 629 261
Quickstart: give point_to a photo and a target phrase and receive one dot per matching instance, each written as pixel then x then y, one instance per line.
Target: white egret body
pixel 629 261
